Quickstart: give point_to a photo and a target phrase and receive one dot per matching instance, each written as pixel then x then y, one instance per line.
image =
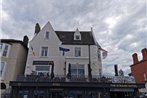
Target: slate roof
pixel 67 38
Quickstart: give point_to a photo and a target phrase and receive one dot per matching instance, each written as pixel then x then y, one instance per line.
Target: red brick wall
pixel 139 68
pixel 138 71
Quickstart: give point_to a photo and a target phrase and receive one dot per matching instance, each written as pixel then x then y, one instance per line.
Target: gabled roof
pixel 67 38
pixel 10 41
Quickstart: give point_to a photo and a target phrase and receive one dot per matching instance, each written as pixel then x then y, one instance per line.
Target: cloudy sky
pixel 120 26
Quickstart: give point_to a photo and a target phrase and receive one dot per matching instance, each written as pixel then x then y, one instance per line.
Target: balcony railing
pixel 58 78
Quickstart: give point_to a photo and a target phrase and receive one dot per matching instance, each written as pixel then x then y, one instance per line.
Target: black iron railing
pixel 57 78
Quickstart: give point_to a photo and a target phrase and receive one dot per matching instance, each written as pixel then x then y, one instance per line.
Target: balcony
pixel 58 78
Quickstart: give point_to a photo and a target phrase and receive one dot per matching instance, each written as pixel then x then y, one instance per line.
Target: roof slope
pixel 67 38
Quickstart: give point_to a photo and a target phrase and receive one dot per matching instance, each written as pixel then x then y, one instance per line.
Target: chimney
pixel 37 28
pixel 25 40
pixel 116 70
pixel 144 54
pixel 135 58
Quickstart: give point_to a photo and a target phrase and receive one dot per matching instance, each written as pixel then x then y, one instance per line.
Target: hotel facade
pixel 67 64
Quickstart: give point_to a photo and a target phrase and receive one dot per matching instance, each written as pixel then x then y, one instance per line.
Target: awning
pixel 3 86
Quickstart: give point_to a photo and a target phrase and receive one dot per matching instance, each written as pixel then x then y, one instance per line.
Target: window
pixel 44 51
pixel 77 37
pixel 77 70
pixel 43 70
pixel 4 49
pixel 77 51
pixel 23 94
pixel 1 46
pixel 2 68
pixel 47 35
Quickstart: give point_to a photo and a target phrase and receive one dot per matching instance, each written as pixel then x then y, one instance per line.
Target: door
pixel 56 94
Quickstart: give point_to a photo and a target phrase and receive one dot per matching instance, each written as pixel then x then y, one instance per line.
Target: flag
pixel 33 53
pixel 104 53
pixel 64 50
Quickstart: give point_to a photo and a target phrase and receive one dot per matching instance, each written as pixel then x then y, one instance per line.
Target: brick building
pixel 139 68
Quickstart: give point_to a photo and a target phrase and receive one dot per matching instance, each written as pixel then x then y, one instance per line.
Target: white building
pixel 13 54
pixel 58 52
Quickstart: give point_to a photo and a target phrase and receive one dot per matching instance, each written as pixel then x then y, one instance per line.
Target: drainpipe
pixel 89 65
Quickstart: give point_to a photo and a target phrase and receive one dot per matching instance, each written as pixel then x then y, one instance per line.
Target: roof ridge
pixel 71 31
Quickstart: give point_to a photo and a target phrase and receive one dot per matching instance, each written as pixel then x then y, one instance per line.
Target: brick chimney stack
pixel 135 58
pixel 144 54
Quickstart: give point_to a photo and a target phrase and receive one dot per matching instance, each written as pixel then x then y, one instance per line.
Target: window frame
pixel 43 54
pixel 77 68
pixel 49 71
pixel 77 35
pixel 78 51
pixel 5 51
pixel 46 36
pixel 3 45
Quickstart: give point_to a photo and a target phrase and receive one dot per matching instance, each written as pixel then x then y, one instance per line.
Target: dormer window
pixel 77 37
pixel 47 35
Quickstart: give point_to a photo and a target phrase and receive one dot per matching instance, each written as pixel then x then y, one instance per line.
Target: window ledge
pixel 76 57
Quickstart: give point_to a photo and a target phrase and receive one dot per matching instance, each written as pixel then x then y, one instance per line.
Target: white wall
pixel 37 42
pixel 53 43
pixel 95 63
